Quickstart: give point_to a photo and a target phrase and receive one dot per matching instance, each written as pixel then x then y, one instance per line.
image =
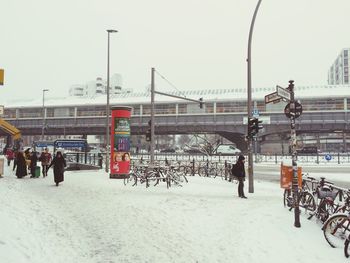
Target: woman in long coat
pixel 21 168
pixel 33 163
pixel 239 172
pixel 58 163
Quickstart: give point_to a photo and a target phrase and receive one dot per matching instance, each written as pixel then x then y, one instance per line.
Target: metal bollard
pixel 100 159
pixel 193 168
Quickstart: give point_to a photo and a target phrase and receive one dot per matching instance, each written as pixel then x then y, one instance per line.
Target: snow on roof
pixel 235 94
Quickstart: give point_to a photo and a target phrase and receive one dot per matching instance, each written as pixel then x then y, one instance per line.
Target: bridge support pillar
pixel 318 141
pixel 8 140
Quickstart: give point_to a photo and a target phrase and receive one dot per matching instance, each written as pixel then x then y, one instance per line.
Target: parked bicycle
pixel 325 194
pixel 336 229
pixel 305 197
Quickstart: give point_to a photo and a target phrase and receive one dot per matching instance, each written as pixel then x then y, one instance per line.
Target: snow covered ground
pixel 91 218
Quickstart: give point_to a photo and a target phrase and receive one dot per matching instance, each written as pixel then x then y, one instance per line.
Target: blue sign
pixel 328 157
pixel 70 144
pixel 43 144
pixel 255 113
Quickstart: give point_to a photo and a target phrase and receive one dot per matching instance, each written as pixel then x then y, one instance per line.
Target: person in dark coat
pixel 239 172
pixel 33 163
pixel 58 163
pixel 15 160
pixel 21 168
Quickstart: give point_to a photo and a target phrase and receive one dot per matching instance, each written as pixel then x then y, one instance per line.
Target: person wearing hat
pixel 239 172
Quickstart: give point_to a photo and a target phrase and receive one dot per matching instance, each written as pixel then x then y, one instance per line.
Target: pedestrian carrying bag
pixel 37 171
pixel 234 170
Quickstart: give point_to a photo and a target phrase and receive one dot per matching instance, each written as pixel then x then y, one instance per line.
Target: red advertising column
pixel 120 142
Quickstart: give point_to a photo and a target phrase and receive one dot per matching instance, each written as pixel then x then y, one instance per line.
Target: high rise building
pixel 77 90
pixel 98 86
pixel 338 74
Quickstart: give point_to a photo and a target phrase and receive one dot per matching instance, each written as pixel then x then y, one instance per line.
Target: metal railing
pixel 317 158
pixel 93 159
pixel 98 159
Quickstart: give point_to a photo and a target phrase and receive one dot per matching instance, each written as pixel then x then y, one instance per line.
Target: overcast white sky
pixel 196 44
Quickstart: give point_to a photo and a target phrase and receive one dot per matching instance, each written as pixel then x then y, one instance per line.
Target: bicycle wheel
pixel 347 248
pixel 203 171
pixel 307 201
pixel 220 171
pixel 336 229
pixel 182 169
pixel 188 170
pixel 325 210
pixel 212 172
pixel 287 198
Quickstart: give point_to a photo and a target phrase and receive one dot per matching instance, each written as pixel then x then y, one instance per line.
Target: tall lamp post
pixel 107 106
pixel 249 102
pixel 43 126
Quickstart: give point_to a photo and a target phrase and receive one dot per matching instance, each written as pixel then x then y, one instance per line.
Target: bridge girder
pixel 229 126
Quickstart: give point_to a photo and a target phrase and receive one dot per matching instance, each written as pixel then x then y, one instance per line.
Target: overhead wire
pixel 170 83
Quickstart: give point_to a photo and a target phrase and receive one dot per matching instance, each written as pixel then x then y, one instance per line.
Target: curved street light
pixel 249 103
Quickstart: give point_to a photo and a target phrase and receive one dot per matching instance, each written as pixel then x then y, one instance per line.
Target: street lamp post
pixel 107 106
pixel 43 126
pixel 249 102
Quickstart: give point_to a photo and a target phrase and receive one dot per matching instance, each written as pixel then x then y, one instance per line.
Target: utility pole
pixel 292 111
pixel 152 117
pixel 44 121
pixel 153 92
pixel 108 150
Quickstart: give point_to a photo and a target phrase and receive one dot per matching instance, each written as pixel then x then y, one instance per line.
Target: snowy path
pixel 90 218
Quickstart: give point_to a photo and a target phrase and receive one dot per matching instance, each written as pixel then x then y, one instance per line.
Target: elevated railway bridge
pixel 223 113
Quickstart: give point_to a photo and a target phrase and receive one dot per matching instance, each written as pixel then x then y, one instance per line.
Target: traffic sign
pixel 264 119
pixel 328 157
pixel 272 97
pixel 293 110
pixel 283 93
pixel 255 113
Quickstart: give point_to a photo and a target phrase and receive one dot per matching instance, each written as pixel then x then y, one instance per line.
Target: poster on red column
pixel 120 142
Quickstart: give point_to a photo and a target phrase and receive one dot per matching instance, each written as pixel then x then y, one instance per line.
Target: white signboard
pixel 272 97
pixel 264 119
pixel 283 93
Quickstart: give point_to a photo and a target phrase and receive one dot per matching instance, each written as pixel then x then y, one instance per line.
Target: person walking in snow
pixel 33 163
pixel 58 163
pixel 27 158
pixel 239 172
pixel 21 168
pixel 45 159
pixel 15 160
pixel 9 155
